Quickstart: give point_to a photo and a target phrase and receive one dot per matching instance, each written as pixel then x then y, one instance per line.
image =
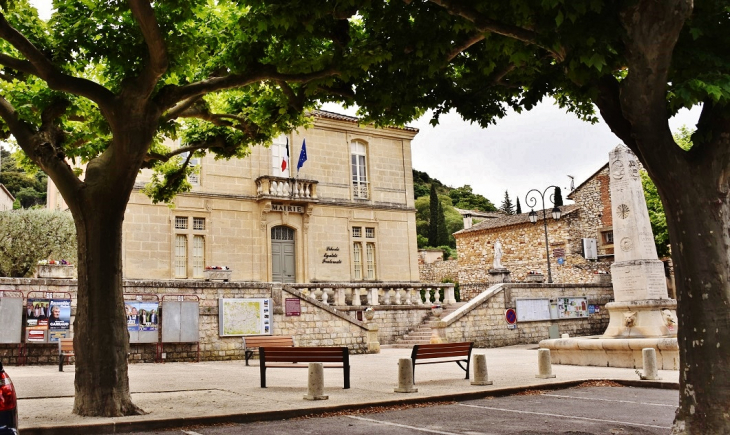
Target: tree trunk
pixel 698 213
pixel 101 340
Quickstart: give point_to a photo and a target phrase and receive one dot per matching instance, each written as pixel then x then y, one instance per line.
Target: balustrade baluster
pixel 409 295
pixel 273 187
pixel 356 297
pixel 325 296
pixel 397 296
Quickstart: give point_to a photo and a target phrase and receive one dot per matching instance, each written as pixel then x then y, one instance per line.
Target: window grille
pixel 370 233
pixel 181 256
pixel 608 237
pixel 199 224
pixel 282 233
pixel 198 256
pixel 181 222
pixel 356 231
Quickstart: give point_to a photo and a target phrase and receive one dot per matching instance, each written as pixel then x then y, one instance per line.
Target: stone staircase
pixel 422 333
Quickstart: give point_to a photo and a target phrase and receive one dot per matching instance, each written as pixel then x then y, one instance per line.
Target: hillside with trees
pixel 436 204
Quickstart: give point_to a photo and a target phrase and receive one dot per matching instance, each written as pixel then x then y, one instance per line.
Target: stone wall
pixel 524 251
pixel 394 321
pixel 318 325
pixel 594 198
pixel 438 270
pixel 483 319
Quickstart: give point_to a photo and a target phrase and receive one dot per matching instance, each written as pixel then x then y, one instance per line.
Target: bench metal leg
pixel 60 362
pixel 262 367
pixel 248 354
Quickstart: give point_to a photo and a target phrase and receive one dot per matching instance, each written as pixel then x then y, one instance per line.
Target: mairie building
pixel 347 214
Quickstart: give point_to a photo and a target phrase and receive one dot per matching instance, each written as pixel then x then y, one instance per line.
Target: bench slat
pixel 442 353
pixel 252 343
pixel 297 355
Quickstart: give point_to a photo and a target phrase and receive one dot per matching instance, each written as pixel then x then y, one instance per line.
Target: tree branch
pixel 157 52
pixel 17 64
pixel 180 108
pixel 471 40
pixel 484 24
pixel 47 71
pixel 170 95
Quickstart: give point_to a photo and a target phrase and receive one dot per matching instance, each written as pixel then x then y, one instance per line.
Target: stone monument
pixel 639 286
pixel 642 315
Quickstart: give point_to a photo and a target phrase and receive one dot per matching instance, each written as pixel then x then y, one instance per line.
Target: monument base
pixel 652 318
pixel 612 352
pixel 498 276
pixel 637 280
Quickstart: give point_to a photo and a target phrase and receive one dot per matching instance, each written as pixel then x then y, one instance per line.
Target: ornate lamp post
pixel 531 201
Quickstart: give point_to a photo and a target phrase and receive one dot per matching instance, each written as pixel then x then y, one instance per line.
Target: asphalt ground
pixel 583 410
pixel 177 395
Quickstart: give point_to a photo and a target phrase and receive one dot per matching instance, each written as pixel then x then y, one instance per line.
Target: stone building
pixel 6 199
pixel 347 215
pixel 523 243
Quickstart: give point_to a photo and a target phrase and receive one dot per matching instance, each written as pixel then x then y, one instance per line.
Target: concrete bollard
pixel 544 364
pixel 650 369
pixel 480 370
pixel 405 377
pixel 316 382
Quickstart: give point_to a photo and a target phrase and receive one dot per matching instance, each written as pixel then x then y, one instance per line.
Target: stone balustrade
pixel 374 294
pixel 286 188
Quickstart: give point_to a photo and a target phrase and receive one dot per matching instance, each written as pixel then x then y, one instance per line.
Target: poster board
pixel 11 319
pixel 47 320
pixel 180 321
pixel 143 320
pixel 239 317
pixel 533 310
pixel 572 308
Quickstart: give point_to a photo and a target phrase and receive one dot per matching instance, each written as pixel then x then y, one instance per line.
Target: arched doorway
pixel 283 259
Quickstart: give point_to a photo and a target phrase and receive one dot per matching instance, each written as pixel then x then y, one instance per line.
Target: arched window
pixel 358 154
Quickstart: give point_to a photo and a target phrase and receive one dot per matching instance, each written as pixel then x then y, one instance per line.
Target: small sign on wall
pixel 293 307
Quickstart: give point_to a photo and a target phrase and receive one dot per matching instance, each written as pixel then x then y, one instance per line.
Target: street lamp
pixel 531 202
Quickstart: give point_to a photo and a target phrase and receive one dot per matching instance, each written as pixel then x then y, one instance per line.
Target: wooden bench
pixel 65 350
pixel 331 357
pixel 442 353
pixel 252 343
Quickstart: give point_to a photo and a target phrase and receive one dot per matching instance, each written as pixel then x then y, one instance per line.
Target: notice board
pixel 572 308
pixel 532 310
pixel 238 317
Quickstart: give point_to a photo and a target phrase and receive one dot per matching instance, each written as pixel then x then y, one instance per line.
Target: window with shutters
pixel 357 260
pixel 198 256
pixel 181 256
pixel 278 150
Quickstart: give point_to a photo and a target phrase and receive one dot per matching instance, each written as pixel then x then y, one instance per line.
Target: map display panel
pixel 238 317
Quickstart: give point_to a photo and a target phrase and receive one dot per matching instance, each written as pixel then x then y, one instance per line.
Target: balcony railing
pixel 374 294
pixel 360 189
pixel 286 188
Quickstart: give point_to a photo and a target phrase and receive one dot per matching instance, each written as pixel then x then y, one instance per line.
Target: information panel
pixel 47 320
pixel 238 317
pixel 143 320
pixel 572 308
pixel 530 310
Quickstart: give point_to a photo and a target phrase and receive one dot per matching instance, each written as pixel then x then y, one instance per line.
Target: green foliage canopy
pixel 28 236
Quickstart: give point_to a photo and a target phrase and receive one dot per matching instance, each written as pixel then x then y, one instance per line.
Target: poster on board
pixel 142 316
pixel 238 317
pixel 572 308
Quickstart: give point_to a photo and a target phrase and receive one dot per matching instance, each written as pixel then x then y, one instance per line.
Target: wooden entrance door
pixel 283 259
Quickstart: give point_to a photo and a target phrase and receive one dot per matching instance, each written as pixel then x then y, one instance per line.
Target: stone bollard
pixel 544 364
pixel 650 369
pixel 405 376
pixel 480 370
pixel 316 382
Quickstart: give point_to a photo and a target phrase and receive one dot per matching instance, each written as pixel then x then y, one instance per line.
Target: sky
pixel 523 151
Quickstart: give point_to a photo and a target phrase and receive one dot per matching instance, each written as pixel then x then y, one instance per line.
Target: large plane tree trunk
pixel 101 339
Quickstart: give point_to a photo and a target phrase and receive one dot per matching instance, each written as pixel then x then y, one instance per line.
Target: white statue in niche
pixel 497 264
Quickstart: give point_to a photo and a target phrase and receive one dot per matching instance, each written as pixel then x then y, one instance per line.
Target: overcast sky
pixel 531 150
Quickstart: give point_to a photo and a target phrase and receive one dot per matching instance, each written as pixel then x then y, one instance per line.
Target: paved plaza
pixel 184 394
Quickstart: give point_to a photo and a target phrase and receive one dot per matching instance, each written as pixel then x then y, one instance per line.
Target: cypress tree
pixel 558 200
pixel 433 218
pixel 507 206
pixel 519 208
pixel 443 233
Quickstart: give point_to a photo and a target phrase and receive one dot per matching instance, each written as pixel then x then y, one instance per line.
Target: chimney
pixel 467 220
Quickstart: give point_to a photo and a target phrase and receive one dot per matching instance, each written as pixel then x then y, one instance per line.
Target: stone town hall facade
pixel 348 215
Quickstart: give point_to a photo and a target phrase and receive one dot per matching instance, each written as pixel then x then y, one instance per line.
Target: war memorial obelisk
pixel 642 315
